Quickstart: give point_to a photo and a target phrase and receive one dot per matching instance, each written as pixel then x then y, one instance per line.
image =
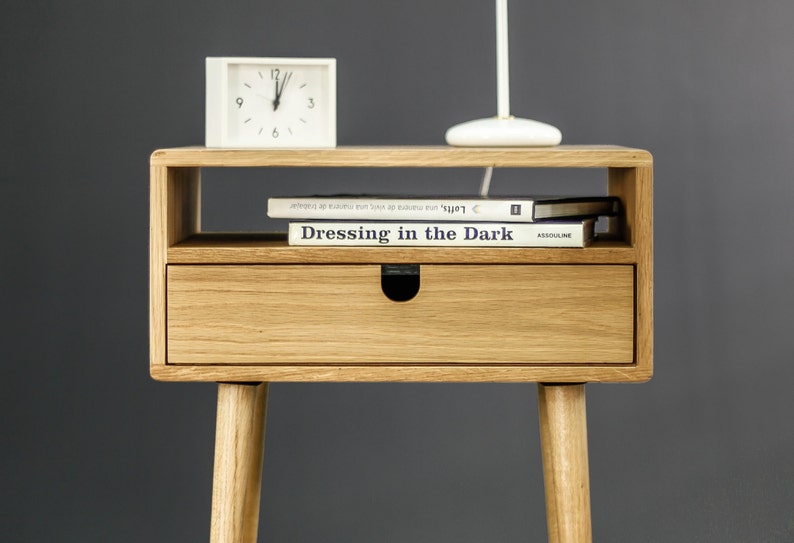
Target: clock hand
pixel 280 91
pixel 277 100
pixel 286 80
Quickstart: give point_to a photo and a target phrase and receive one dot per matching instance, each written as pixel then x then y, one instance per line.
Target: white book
pixel 442 234
pixel 398 208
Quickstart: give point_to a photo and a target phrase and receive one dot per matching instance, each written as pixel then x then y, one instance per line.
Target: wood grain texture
pixel 634 186
pixel 235 248
pixel 177 239
pixel 257 444
pixel 327 314
pixel 644 267
pixel 374 373
pixel 563 433
pixel 239 446
pixel 174 214
pixel 158 243
pixel 563 156
pixel 183 204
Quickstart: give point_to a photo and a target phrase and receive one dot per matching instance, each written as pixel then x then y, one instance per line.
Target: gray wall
pixel 93 450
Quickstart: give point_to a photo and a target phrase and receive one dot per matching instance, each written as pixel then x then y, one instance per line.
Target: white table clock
pixel 270 102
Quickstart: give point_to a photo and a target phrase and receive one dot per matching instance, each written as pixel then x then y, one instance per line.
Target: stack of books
pixel 444 221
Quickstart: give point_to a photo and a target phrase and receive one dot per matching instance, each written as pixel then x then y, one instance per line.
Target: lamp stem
pixel 502 62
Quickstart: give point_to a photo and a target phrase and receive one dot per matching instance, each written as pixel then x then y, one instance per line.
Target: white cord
pixel 485 186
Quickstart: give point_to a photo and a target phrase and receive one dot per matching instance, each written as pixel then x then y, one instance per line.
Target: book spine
pixel 441 234
pixel 395 209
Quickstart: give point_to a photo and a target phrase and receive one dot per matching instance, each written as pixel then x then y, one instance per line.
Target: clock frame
pixel 270 102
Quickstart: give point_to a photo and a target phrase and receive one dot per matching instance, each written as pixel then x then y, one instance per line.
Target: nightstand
pixel 244 310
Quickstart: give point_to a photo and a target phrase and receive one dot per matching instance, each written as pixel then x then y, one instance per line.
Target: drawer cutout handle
pixel 400 282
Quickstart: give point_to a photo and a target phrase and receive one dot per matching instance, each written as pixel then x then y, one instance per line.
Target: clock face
pixel 271 103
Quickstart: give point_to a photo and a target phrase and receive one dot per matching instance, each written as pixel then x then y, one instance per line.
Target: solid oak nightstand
pixel 247 309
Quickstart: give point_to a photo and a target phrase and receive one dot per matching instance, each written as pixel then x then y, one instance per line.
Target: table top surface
pixel 570 156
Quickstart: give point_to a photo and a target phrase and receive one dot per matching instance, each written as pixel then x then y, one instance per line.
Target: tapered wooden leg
pixel 239 447
pixel 563 434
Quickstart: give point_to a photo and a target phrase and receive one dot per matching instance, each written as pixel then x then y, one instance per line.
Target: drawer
pixel 339 315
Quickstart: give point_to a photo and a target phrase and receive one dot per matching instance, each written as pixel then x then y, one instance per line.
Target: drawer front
pixel 338 314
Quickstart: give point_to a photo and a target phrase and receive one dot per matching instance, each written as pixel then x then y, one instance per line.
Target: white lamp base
pixel 503 132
